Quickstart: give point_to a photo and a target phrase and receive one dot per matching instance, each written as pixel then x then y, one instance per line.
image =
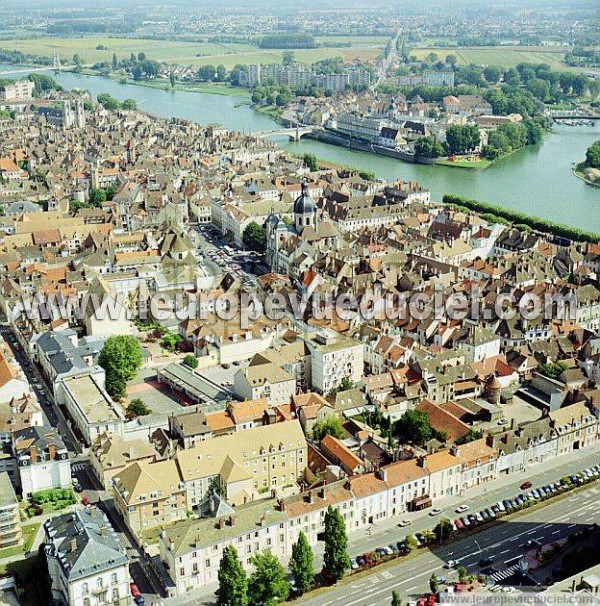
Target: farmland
pixel 184 52
pixel 506 56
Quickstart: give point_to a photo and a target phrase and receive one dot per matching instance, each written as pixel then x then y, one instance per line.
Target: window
pixel 85 589
pixel 113 578
pixel 99 583
pixel 115 593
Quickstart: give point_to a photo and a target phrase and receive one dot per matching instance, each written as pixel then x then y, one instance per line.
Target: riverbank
pixel 215 88
pixel 581 171
pixel 521 221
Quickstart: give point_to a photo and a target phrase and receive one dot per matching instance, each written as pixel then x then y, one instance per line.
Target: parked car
pixel 459 524
pixel 78 488
pixel 135 592
pixel 353 564
pixel 393 547
pixel 139 600
pixel 465 520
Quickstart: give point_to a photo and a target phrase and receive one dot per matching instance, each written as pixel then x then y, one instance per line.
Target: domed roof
pixel 493 383
pixel 304 204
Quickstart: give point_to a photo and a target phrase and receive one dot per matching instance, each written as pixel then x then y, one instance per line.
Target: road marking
pixel 505 551
pixel 556 532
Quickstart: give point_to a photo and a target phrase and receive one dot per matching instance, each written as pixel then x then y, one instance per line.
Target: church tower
pixel 305 210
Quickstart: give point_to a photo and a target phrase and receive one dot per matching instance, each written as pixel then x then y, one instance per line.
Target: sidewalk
pixel 386 531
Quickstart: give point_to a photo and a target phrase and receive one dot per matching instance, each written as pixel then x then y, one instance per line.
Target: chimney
pixel 281 504
pixel 73 545
pixel 232 520
pixel 52 451
pixel 491 441
pixel 347 485
pixel 310 497
pixel 221 524
pixel 103 530
pixel 33 454
pixel 322 492
pixel 382 474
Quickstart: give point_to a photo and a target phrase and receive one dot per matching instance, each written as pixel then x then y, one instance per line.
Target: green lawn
pixel 475 165
pixel 29 533
pixel 178 51
pixel 504 56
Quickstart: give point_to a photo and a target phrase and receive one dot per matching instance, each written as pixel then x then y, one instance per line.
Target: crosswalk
pixel 78 466
pixel 504 574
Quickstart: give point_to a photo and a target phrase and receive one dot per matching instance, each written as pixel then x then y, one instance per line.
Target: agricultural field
pixel 180 52
pixel 504 56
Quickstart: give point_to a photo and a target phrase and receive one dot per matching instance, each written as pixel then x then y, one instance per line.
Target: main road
pixel 466 550
pixel 504 541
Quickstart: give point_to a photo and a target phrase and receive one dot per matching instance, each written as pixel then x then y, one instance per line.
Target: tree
pixel 97 197
pixel 451 59
pixel 121 358
pixel 336 560
pixel 190 361
pixel 172 79
pixel 553 370
pixel 410 541
pixel 396 601
pixel 288 58
pixel 462 574
pixel 171 340
pixel 301 564
pixel 413 427
pixel 221 73
pixel 592 155
pixel 511 77
pixel 539 88
pixel 434 584
pixel 329 426
pixel 78 62
pixel 137 408
pixel 472 435
pixel 129 104
pixel 492 73
pixel 233 583
pixel 109 103
pixel 443 530
pixel 141 56
pixel 206 73
pixel 311 162
pixel 345 384
pixel 115 61
pixel 255 237
pixel 462 139
pixel 268 584
pixel 428 147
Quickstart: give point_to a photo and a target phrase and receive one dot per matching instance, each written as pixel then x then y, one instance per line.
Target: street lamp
pixel 478 546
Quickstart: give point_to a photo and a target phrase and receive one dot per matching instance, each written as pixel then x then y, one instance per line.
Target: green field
pixel 180 52
pixel 504 56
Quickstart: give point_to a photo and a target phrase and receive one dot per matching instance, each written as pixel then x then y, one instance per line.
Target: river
pixel 536 180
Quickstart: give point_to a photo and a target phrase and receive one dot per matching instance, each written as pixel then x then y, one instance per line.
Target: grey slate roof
pixel 84 543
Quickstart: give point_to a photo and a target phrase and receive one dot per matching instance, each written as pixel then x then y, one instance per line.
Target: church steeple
pixel 305 209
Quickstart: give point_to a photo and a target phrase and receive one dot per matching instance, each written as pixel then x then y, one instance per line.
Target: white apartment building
pixel 334 357
pixel 86 563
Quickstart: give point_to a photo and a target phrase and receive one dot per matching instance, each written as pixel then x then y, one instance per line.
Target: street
pixel 554 519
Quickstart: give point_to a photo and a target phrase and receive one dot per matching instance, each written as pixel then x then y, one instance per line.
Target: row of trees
pixel 111 104
pixel 268 584
pixel 513 216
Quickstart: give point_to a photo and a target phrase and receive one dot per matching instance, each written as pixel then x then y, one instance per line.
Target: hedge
pixel 537 223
